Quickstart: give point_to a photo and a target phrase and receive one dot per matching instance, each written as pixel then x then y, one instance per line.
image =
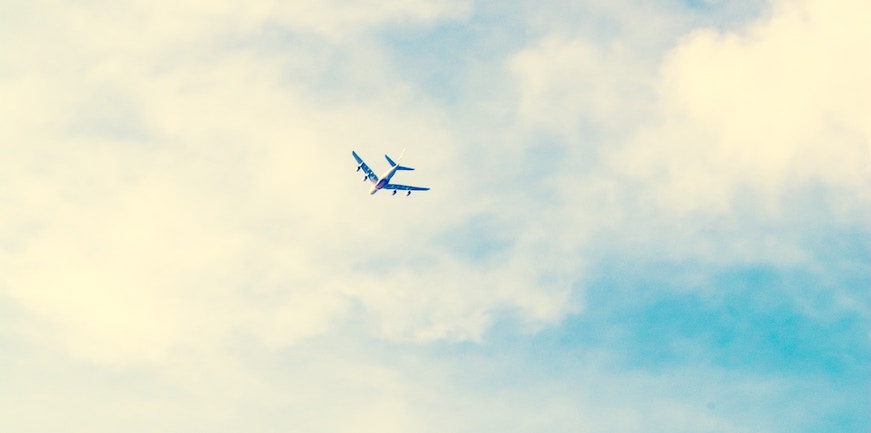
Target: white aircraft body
pixel 384 181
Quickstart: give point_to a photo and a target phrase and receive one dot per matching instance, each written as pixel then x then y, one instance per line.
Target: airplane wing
pixel 405 187
pixel 362 165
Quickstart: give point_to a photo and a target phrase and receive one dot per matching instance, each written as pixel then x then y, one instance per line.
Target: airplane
pixel 384 181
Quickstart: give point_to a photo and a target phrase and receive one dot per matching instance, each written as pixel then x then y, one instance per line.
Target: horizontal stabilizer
pixel 393 164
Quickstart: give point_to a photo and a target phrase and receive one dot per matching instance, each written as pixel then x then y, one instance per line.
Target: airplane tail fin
pixel 393 164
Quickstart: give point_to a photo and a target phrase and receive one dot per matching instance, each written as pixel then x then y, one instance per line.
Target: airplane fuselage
pixel 383 180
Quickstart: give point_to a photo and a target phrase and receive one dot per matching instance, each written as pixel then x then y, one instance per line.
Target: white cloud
pixel 770 107
pixel 566 82
pixel 697 153
pixel 780 101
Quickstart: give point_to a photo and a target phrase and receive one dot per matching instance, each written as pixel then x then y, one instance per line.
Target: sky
pixel 644 216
